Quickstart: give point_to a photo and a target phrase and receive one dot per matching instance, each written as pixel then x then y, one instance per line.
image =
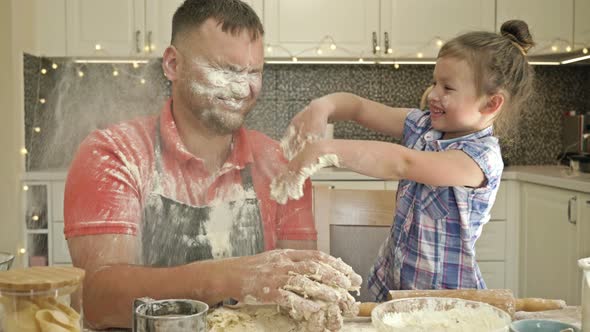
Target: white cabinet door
pixel 414 26
pixel 491 246
pixel 582 24
pixel 548 244
pixel 105 27
pixel 550 21
pixel 61 253
pixel 50 27
pixel 158 30
pixel 493 274
pixel 297 27
pixel 57 200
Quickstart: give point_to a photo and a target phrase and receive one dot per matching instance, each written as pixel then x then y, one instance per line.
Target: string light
pixel 585 50
pixel 26 188
pixel 153 47
pixel 37 129
pixel 333 47
pixel 269 49
pixel 98 47
pixel 294 59
pixel 43 71
pixel 42 100
pixel 135 65
pixel 319 51
pixel 439 42
pixel 377 48
pixel 54 65
pixel 361 60
pixel 142 81
pixel 35 218
pixel 23 151
pixel 554 48
pixel 22 251
pixel 389 50
pixel 115 73
pixel 146 48
pixel 568 49
pixel 80 73
pixel 419 55
pixel 396 65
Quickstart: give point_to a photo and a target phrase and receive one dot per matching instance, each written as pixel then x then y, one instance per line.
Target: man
pixel 164 206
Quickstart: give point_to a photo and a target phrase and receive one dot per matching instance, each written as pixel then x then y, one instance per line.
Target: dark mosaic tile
pixel 305 82
pixel 269 83
pixel 404 87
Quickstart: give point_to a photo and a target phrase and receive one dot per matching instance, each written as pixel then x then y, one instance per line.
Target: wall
pixel 15 37
pixel 76 105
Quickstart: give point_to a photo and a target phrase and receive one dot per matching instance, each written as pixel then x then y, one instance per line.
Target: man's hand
pixel 310 285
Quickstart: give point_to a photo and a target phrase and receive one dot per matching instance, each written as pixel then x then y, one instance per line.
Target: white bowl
pixel 437 314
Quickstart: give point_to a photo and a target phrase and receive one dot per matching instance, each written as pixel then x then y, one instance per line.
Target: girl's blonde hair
pixel 498 61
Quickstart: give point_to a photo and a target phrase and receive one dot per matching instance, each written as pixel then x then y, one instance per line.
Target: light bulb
pixel 42 100
pixel 294 59
pixel 142 81
pixel 54 65
pixel 554 48
pixel 23 151
pixel 135 65
pixel 115 72
pixel 37 129
pixel 361 60
pixel 332 47
pixel 269 49
pixel 35 218
pixel 80 73
pixel 585 50
pixel 377 48
pixel 146 48
pixel 419 54
pixel 390 50
pixel 568 49
pixel 396 66
pixel 153 47
pixel 319 51
pixel 439 42
pixel 25 187
pixel 97 47
pixel 22 251
pixel 43 71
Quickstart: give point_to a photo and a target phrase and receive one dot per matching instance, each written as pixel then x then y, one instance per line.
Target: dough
pixel 250 318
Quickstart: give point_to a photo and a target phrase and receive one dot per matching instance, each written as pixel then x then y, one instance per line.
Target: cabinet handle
pixel 386 42
pixel 375 44
pixel 137 35
pixel 571 201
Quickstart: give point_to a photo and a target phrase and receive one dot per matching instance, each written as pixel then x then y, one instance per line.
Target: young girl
pixel 448 163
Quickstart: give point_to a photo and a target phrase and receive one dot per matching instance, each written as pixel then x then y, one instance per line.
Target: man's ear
pixel 170 63
pixel 493 104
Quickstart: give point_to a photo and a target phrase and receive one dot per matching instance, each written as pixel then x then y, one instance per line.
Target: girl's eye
pixel 448 88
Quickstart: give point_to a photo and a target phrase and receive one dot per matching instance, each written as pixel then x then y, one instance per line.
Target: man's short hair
pixel 233 15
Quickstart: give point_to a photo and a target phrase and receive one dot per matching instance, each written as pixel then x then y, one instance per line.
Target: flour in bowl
pixel 461 318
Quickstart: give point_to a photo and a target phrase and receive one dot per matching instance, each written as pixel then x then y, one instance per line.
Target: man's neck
pixel 212 148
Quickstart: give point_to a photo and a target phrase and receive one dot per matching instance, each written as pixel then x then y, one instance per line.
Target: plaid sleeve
pixel 486 153
pixel 417 122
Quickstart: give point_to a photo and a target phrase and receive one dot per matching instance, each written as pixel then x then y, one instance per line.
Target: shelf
pixel 37 231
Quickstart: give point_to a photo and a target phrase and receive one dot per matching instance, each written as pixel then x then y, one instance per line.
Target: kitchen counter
pixel 555 176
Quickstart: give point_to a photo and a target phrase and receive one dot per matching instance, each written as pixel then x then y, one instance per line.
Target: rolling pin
pixel 499 298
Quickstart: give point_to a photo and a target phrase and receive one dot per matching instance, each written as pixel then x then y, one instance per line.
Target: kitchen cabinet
pixel 555 232
pixel 551 22
pixel 409 27
pixel 49 20
pixel 122 27
pixel 582 24
pixel 42 219
pixel 298 27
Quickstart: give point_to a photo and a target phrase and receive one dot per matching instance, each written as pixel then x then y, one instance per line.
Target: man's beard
pixel 222 121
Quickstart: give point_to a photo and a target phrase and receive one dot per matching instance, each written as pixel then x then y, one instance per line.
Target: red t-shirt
pixel 114 169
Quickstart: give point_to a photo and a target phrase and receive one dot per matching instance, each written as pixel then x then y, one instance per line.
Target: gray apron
pixel 175 233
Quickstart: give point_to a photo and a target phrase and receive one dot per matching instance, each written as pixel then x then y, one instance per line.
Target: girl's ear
pixel 493 104
pixel 170 63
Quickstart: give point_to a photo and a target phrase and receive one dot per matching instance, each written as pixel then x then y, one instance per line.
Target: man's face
pixel 219 75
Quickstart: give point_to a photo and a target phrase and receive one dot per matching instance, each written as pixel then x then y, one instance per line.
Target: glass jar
pixel 41 299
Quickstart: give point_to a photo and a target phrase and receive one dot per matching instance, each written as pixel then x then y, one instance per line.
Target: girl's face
pixel 453 101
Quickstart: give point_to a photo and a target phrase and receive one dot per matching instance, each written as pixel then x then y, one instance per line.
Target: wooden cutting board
pixel 40 278
pixel 499 298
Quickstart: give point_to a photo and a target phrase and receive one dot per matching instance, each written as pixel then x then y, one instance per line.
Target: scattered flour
pixel 461 318
pixel 290 185
pixel 253 318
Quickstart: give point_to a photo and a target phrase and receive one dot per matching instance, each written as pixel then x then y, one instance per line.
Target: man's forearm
pixel 109 292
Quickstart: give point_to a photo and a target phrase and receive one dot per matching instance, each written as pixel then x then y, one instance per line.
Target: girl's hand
pixel 289 185
pixel 307 126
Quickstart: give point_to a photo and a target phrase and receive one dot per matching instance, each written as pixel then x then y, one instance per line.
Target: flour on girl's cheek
pixel 290 185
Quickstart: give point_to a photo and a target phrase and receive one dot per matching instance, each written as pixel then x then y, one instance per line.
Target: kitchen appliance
pixel 5 261
pixel 576 133
pixel 177 315
pixel 584 264
pixel 500 298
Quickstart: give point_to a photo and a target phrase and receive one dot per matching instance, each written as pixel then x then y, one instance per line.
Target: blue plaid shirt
pixel 432 239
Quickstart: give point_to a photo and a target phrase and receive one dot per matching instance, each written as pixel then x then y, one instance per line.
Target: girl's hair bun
pixel 518 32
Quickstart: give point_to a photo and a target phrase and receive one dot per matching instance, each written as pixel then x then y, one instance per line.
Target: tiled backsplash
pixel 75 105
